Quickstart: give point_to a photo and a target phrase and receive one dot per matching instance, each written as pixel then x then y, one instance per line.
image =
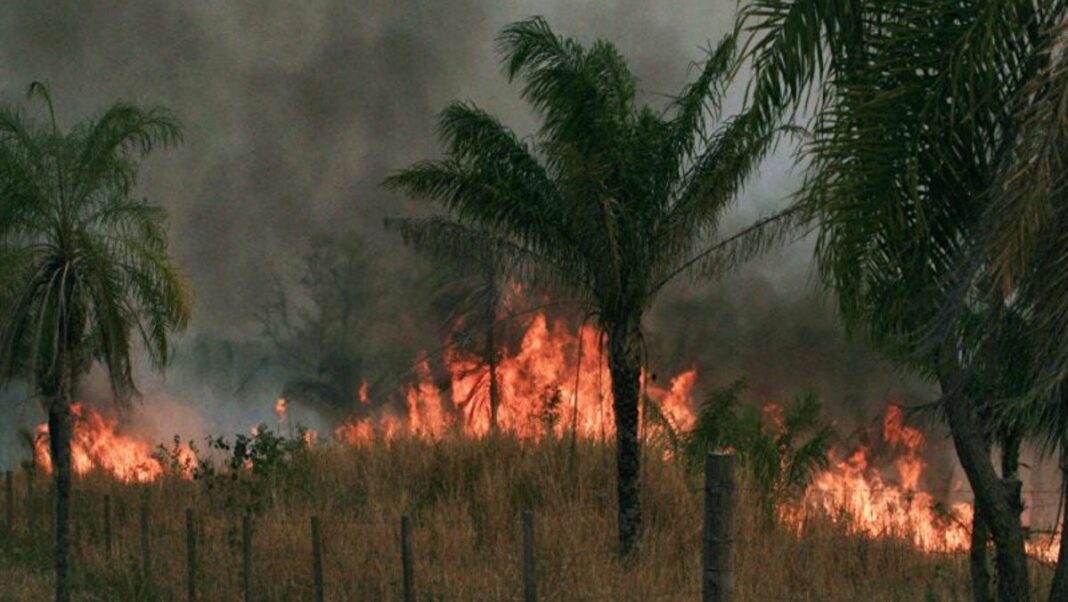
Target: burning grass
pixel 541 392
pixel 465 497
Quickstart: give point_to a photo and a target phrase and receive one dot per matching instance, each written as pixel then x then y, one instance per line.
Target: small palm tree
pixel 608 202
pixel 782 451
pixel 85 268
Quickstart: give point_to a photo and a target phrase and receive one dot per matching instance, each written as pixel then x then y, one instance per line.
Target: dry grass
pixel 465 498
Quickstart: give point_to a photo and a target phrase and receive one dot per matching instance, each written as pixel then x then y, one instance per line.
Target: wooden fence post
pixel 717 579
pixel 9 501
pixel 317 558
pixel 191 555
pixel 76 526
pixel 246 556
pixel 107 525
pixel 407 571
pixel 146 550
pixel 31 517
pixel 530 585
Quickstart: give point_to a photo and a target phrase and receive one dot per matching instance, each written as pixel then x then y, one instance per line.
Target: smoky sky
pixel 295 112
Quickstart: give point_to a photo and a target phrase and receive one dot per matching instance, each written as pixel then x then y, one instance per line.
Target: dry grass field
pixel 465 498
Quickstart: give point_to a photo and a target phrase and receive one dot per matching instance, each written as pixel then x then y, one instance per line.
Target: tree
pixel 608 202
pixel 85 266
pixel 468 289
pixel 321 332
pixel 1020 253
pixel 915 115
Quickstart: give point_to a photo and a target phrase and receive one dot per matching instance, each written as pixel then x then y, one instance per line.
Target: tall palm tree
pixel 914 118
pixel 85 266
pixel 1022 250
pixel 609 201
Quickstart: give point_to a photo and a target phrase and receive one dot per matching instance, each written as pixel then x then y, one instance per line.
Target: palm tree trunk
pixel 1059 588
pixel 624 364
pixel 977 559
pixel 1010 479
pixel 1010 455
pixel 573 451
pixel 59 437
pixel 494 386
pixel 991 494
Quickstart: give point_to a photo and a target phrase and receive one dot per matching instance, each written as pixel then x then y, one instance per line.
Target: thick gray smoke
pixel 294 113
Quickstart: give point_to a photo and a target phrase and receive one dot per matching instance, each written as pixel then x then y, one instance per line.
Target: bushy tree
pixel 320 326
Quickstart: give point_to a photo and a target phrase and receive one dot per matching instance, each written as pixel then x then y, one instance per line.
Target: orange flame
pixel 96 445
pixel 554 383
pixel 861 498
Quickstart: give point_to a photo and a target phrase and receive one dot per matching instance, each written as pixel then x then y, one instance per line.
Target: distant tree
pixel 468 291
pixel 476 305
pixel 608 202
pixel 84 266
pixel 319 327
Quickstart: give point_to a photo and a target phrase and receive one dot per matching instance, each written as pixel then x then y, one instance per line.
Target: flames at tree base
pixel 554 383
pixel 866 502
pixel 96 444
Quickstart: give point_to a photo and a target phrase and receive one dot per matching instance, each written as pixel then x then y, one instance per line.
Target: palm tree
pixel 782 457
pixel 608 202
pixel 471 288
pixel 914 118
pixel 1020 254
pixel 85 266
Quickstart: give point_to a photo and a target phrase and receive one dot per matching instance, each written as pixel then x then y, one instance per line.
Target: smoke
pixel 294 113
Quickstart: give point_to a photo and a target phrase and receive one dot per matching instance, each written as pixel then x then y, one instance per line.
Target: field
pixel 465 498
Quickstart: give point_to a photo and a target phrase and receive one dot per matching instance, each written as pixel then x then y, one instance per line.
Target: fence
pixel 716 573
pixel 717 536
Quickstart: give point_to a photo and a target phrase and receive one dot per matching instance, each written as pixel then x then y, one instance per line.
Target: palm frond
pixel 88 266
pixel 112 143
pixel 735 250
pixel 701 100
pixel 471 249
